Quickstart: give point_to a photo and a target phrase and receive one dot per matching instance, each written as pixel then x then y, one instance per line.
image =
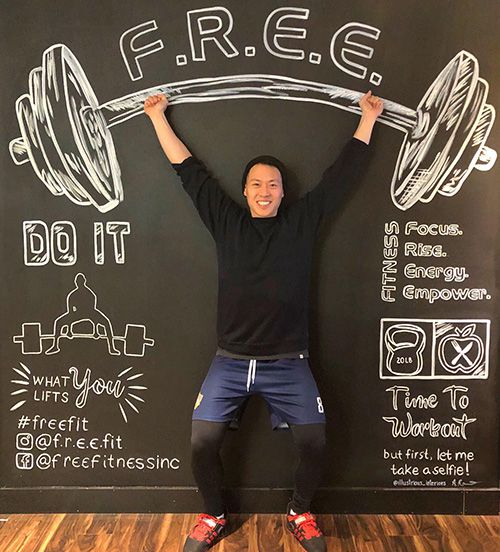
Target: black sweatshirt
pixel 265 263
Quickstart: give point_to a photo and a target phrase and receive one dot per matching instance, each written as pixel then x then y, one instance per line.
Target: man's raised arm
pixel 174 148
pixel 339 180
pixel 213 204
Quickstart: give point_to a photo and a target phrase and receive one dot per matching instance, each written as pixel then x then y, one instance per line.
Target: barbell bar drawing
pixel 65 133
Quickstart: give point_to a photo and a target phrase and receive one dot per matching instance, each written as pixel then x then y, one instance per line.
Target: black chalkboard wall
pixel 404 306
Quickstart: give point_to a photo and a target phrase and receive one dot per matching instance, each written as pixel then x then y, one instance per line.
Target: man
pixel 264 258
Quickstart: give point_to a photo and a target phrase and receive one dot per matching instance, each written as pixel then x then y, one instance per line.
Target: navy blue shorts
pixel 287 385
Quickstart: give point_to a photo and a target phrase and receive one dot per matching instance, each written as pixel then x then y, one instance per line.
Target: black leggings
pixel 206 442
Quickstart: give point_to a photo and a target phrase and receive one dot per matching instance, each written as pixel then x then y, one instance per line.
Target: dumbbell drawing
pixel 82 319
pixel 434 349
pixel 65 133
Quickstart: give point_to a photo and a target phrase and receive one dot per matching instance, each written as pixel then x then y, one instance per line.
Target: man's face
pixel 263 190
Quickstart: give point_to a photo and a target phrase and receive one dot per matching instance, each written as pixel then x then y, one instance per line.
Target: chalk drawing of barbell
pixel 65 132
pixel 31 338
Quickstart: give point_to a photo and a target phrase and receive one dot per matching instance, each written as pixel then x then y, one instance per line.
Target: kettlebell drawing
pixel 405 344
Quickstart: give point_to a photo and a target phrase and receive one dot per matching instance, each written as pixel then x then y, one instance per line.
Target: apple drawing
pixel 461 350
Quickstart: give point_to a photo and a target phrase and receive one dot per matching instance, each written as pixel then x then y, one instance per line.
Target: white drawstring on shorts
pixel 252 366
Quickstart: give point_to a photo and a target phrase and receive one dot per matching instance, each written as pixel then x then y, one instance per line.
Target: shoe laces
pixel 306 524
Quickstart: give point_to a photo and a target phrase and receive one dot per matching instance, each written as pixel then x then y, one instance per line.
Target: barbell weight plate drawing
pixel 433 143
pixel 55 170
pixel 135 340
pixel 87 152
pixel 466 126
pixel 450 109
pixel 472 157
pixel 34 137
pixel 30 338
pixel 49 163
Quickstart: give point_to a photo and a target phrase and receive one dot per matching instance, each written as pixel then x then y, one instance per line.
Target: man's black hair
pixel 265 160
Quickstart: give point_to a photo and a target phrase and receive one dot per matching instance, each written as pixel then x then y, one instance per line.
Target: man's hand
pixel 371 106
pixel 174 149
pixel 155 105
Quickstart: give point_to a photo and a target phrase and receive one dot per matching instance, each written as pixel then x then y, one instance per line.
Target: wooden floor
pixel 249 533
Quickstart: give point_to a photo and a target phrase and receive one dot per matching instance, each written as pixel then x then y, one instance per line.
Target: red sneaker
pixel 205 533
pixel 305 529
